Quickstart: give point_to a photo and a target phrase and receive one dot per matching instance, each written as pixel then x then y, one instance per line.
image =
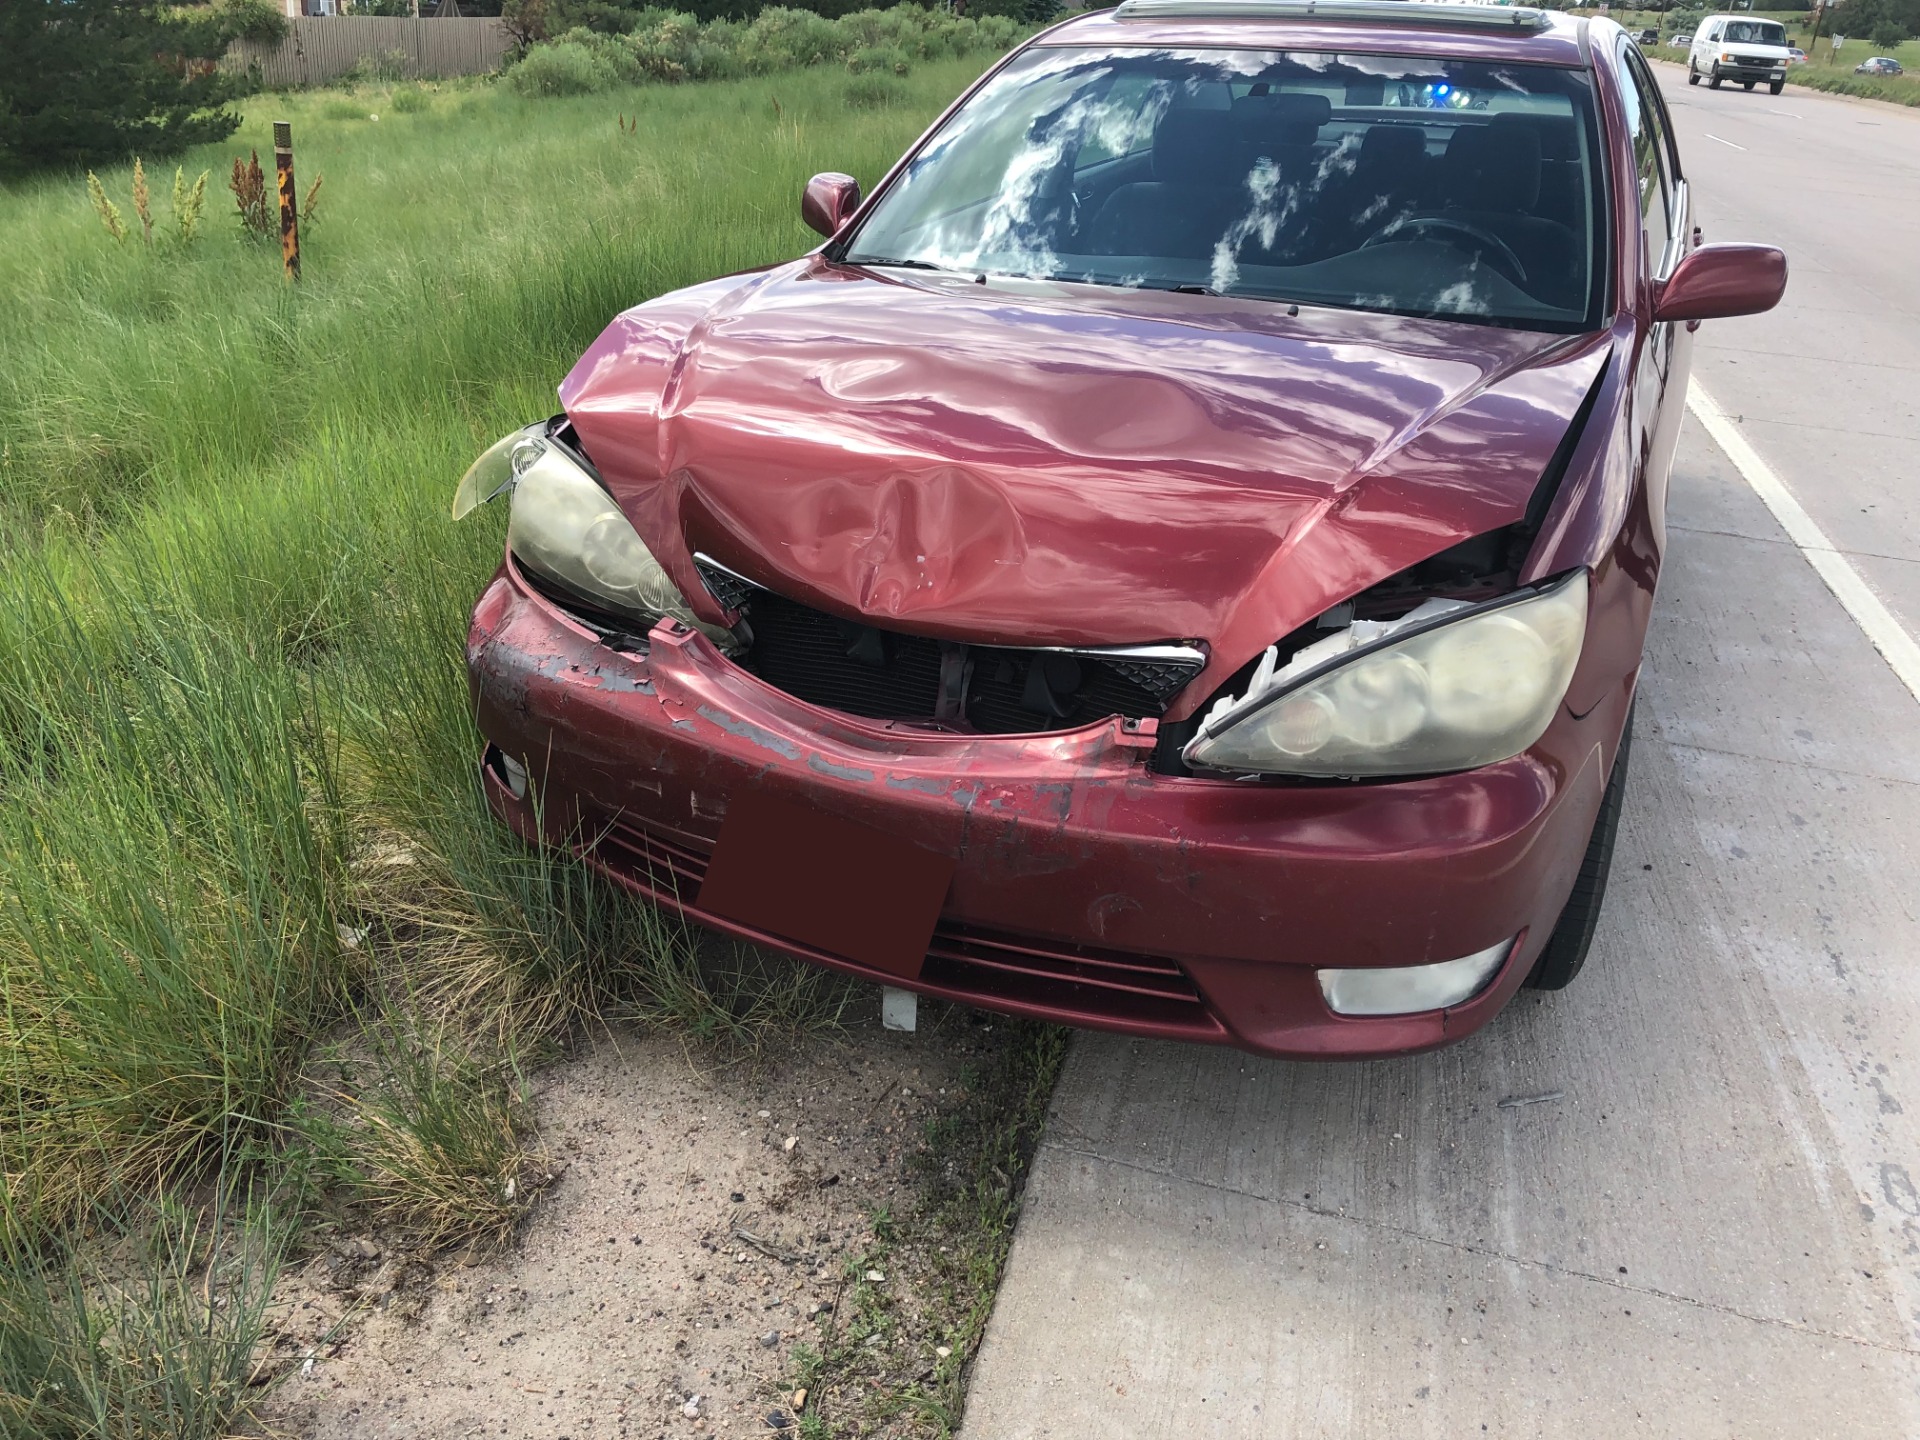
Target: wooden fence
pixel 320 48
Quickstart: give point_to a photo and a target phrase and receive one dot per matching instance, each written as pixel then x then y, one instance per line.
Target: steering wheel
pixel 1495 249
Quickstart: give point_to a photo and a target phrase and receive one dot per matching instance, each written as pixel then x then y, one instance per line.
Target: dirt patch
pixel 709 1227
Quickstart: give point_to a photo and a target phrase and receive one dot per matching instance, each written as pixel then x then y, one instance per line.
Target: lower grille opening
pixel 966 961
pixel 1073 978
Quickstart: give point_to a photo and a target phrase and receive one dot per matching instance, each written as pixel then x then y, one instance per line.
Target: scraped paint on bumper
pixel 1088 889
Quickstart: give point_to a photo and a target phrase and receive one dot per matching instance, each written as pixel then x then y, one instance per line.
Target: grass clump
pixel 879 60
pixel 1895 89
pixel 874 92
pixel 428 1128
pixel 142 1331
pixel 173 863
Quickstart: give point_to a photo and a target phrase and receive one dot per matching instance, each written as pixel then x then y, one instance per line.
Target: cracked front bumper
pixel 1088 889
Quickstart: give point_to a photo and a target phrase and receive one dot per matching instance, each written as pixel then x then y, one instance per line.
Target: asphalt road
pixel 1715 1228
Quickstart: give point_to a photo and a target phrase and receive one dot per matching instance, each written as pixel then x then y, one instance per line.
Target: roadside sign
pixel 1838 41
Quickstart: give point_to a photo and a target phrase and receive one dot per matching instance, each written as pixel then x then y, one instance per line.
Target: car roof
pixel 1454 31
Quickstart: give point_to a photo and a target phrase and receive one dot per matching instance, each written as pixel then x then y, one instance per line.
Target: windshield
pixel 1402 185
pixel 1754 32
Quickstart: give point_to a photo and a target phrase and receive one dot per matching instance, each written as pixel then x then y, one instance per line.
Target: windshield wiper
pixel 1192 289
pixel 894 264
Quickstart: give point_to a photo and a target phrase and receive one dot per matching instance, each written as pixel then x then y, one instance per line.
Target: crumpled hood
pixel 1018 463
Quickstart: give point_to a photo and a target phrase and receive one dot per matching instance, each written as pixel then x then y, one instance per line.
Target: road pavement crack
pixel 1488 1253
pixel 1873 779
pixel 1788 544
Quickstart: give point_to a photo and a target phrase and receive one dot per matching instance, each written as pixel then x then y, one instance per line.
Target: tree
pixel 1037 12
pixel 91 82
pixel 1887 22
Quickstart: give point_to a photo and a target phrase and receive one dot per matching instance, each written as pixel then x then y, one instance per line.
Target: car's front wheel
pixel 1572 936
pixel 1693 75
pixel 1774 87
pixel 1713 78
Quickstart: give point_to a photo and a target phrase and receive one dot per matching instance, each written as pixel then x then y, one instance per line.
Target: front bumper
pixel 1744 70
pixel 1088 890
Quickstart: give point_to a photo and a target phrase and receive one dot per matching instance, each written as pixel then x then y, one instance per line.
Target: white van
pixel 1738 47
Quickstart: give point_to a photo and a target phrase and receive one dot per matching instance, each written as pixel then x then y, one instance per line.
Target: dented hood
pixel 1022 463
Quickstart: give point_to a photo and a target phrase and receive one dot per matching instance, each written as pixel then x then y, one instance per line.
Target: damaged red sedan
pixel 1175 560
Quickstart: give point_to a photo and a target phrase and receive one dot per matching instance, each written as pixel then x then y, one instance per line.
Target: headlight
pixel 566 528
pixel 1448 688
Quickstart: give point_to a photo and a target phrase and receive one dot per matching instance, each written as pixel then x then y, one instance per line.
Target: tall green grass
pixel 238 800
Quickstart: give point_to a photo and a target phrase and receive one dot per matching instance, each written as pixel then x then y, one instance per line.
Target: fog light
pixel 1408 989
pixel 514 773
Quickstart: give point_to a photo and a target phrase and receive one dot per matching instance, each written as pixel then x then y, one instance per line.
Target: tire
pixel 1566 949
pixel 1713 81
pixel 1774 87
pixel 1693 76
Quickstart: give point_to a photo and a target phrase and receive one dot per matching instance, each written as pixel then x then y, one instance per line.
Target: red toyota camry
pixel 1176 559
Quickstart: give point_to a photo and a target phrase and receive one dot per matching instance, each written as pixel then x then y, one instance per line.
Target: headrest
pixel 1281 117
pixel 1195 147
pixel 1558 139
pixel 1493 167
pixel 1391 150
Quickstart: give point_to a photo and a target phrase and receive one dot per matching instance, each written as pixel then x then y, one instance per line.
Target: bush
pixel 409 100
pixel 782 39
pixel 669 46
pixel 564 68
pixel 255 20
pixel 883 59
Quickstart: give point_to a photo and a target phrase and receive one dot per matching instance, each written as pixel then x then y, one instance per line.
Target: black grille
pixel 887 675
pixel 832 662
pixel 726 587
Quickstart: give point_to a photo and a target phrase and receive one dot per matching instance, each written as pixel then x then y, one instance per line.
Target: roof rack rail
pixel 1394 12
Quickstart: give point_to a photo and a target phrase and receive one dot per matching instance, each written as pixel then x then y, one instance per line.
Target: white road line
pixel 1728 143
pixel 1900 649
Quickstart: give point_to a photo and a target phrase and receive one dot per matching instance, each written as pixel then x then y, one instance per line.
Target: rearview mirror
pixel 828 200
pixel 1717 281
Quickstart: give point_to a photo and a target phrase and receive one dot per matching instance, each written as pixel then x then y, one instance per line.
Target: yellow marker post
pixel 289 198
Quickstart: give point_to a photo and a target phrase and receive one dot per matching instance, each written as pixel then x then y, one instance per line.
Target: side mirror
pixel 1716 281
pixel 828 200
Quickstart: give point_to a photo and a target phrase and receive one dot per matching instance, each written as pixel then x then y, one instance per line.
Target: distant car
pixel 1796 56
pixel 1649 37
pixel 1880 65
pixel 1680 42
pixel 1139 571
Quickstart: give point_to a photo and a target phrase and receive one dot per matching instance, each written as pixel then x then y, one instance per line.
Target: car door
pixel 1666 352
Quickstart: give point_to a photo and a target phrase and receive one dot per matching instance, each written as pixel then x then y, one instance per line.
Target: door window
pixel 1653 161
